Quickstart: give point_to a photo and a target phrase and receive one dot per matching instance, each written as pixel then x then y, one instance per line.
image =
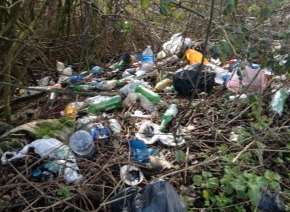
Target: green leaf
pixel 255 184
pixel 165 6
pixel 212 183
pixel 180 156
pixel 145 4
pixel 206 174
pixel 272 176
pixel 239 184
pixel 222 200
pixel 197 180
pixel 230 7
pixel 205 194
pixel 63 192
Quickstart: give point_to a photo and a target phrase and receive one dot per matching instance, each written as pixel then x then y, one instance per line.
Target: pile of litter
pixel 136 131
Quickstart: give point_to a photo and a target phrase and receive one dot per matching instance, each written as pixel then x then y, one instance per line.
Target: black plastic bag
pixel 159 196
pixel 191 81
pixel 270 202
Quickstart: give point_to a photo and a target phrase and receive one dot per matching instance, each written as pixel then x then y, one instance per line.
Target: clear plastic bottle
pixel 115 126
pixel 147 55
pixel 83 87
pixel 169 114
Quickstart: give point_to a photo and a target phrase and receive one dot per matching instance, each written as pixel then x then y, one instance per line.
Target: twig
pixel 189 167
pixel 243 150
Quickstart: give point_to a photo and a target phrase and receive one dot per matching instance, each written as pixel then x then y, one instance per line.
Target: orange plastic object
pixel 194 57
pixel 71 111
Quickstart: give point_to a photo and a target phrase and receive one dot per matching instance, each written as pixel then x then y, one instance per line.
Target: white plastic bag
pixel 56 151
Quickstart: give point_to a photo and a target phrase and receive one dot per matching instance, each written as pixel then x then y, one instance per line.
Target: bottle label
pixel 148 58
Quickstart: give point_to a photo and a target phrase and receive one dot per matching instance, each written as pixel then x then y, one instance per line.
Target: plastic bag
pixel 140 151
pixel 194 57
pixel 188 80
pixel 158 196
pixel 61 158
pixel 168 139
pixel 252 78
pixel 279 100
pixel 176 44
pixel 147 132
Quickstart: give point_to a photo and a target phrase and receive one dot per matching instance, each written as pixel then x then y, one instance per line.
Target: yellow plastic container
pixel 162 84
pixel 194 57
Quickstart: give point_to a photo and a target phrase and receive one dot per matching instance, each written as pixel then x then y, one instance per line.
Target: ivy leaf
pixel 145 4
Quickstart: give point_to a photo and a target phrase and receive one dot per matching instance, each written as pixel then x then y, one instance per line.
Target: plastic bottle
pixel 71 111
pixel 163 84
pixel 84 87
pixel 146 104
pixel 96 70
pixel 150 95
pixel 108 84
pixel 76 79
pixel 147 55
pixel 106 104
pixel 81 143
pixel 115 126
pixel 169 114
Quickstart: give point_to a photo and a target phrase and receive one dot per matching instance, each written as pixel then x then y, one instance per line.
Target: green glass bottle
pixel 106 104
pixel 150 95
